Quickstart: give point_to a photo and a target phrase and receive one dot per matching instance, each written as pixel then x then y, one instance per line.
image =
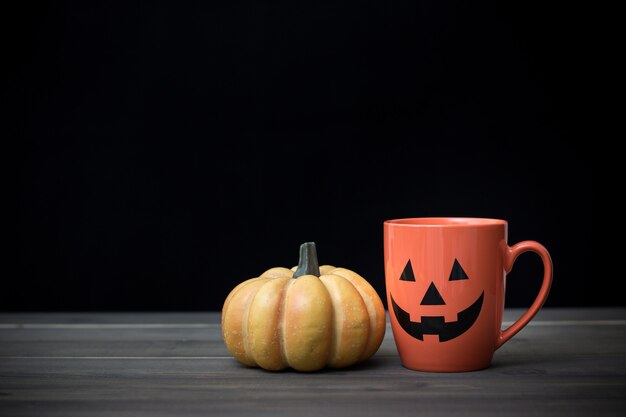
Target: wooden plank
pixel 587 339
pixel 381 387
pixel 171 338
pixel 569 365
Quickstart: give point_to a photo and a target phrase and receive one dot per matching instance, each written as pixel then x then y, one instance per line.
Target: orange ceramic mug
pixel 445 290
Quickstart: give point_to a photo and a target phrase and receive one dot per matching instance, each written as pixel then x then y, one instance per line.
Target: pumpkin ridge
pixel 263 323
pixel 333 320
pixel 281 321
pixel 376 312
pixel 370 334
pixel 351 334
pixel 332 323
pixel 244 327
pixel 234 328
pixel 308 324
pixel 232 295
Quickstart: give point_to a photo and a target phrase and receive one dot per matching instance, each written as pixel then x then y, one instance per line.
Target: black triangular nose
pixel 432 297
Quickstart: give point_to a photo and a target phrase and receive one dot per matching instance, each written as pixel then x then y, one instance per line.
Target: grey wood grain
pixel 573 364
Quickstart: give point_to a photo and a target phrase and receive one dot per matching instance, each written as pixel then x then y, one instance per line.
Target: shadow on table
pixel 372 364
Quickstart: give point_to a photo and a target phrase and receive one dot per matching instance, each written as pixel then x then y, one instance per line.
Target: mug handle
pixel 510 255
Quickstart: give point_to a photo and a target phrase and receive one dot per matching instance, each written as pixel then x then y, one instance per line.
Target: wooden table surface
pixel 567 362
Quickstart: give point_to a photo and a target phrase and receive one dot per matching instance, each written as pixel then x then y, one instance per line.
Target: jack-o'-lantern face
pixel 437 325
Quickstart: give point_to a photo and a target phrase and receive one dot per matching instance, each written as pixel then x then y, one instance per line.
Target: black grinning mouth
pixel 436 325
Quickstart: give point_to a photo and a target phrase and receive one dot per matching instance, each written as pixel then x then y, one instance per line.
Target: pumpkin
pixel 306 318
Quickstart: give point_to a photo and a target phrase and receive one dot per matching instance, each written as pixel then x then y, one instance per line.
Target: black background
pixel 169 150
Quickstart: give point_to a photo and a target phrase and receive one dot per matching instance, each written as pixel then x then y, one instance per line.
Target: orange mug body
pixel 445 281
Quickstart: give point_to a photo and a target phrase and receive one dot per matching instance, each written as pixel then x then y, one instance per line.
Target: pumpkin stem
pixel 308 264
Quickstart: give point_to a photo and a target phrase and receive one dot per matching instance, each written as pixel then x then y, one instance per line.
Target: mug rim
pixel 446 222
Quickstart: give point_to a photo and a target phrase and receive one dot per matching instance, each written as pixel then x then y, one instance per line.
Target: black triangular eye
pixel 407 274
pixel 432 297
pixel 457 272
